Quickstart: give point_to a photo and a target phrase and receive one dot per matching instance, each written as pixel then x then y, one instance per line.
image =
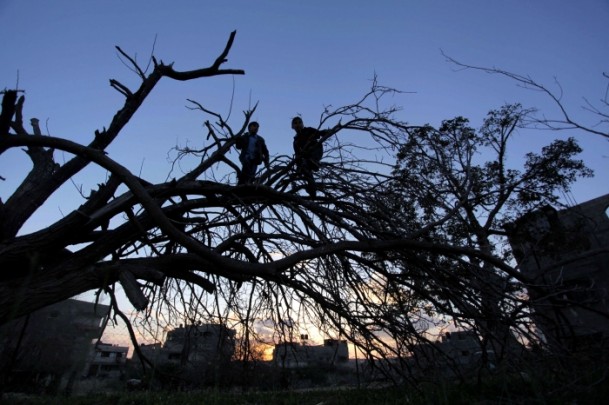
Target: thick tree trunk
pixel 24 295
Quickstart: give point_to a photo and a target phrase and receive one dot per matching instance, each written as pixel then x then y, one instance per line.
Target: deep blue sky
pixel 298 56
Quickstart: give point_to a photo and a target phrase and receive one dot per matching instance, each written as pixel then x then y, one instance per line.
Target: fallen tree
pixel 357 261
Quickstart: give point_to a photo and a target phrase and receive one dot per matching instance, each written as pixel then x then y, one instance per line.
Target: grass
pixel 331 397
pixel 500 390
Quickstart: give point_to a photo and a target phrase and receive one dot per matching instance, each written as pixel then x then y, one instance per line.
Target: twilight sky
pixel 298 57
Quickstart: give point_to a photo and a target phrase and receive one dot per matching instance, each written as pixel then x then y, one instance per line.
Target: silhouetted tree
pixel 376 257
pixel 460 179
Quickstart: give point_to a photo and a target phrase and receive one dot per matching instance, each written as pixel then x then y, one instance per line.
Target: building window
pixel 105 354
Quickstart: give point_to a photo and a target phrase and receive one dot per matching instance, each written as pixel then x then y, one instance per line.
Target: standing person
pixel 253 152
pixel 308 151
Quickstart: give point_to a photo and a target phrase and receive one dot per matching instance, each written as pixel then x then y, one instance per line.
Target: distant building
pixel 459 348
pixel 566 253
pixel 107 360
pixel 294 354
pixel 193 343
pixel 52 343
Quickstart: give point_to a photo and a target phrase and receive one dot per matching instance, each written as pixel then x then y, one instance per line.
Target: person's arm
pixel 240 143
pixel 323 133
pixel 312 136
pixel 265 153
pixel 297 146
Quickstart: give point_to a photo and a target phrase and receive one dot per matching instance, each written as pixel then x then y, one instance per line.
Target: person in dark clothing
pixel 308 151
pixel 253 152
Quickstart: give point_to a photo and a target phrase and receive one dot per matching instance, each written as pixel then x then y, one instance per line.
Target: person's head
pixel 253 127
pixel 297 124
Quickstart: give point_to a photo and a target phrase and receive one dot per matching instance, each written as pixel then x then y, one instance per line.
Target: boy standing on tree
pixel 308 151
pixel 253 152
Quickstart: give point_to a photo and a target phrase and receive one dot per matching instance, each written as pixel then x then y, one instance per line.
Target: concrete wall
pixel 566 255
pixel 292 354
pixel 53 341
